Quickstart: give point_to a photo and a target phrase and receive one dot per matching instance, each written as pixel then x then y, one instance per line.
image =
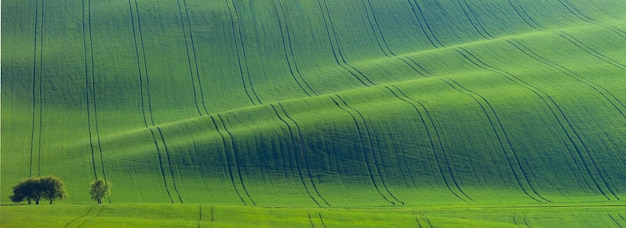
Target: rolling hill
pixel 355 103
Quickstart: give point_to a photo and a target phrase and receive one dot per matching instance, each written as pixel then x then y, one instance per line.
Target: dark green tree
pixel 37 188
pixel 100 189
pixel 28 189
pixel 52 188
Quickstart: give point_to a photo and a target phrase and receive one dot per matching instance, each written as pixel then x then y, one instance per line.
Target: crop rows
pixel 409 119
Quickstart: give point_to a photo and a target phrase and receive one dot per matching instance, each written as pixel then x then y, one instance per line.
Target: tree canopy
pixel 37 188
pixel 100 189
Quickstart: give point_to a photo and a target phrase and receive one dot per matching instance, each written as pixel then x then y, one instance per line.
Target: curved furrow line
pixel 589 50
pixel 303 154
pixel 524 15
pixel 94 96
pixel 145 92
pixel 428 221
pixel 195 58
pixel 169 164
pixel 380 37
pixel 615 220
pixel 34 90
pixel 374 156
pixel 158 150
pixel 521 176
pixel 469 13
pixel 233 147
pixel 40 137
pixel 90 85
pixel 193 83
pixel 228 161
pixel 419 224
pixel 363 148
pixel 288 50
pixel 297 160
pixel 526 221
pixel 336 46
pixel 565 124
pixel 37 91
pixel 81 217
pixel 138 57
pixel 321 219
pixel 87 219
pixel 580 15
pixel 375 27
pixel 621 108
pixel 310 219
pixel 200 216
pixel 435 136
pixel 88 88
pixel 242 60
pixel 426 28
pixel 144 84
pixel 212 216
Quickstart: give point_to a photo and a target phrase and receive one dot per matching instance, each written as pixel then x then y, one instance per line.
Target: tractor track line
pixel 548 101
pixel 598 88
pixel 524 15
pixel 193 83
pixel 615 221
pixel 195 57
pixel 94 96
pixel 302 153
pixel 321 219
pixel 386 49
pixel 200 217
pixel 145 88
pixel 374 25
pixel 34 91
pixel 337 52
pixel 503 138
pixel 592 52
pixel 169 164
pixel 556 111
pixel 288 50
pixel 158 150
pixel 363 153
pixel 580 15
pixel 87 88
pixel 373 155
pixel 293 145
pixel 238 36
pixel 235 159
pixel 230 169
pixel 81 217
pixel 432 145
pixel 95 216
pixel 471 16
pixel 147 94
pixel 40 137
pixel 339 49
pixel 310 219
pixel 137 55
pixel 426 28
pixel 37 89
pixel 430 134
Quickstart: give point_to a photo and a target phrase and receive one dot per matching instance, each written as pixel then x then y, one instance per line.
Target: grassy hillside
pixel 353 103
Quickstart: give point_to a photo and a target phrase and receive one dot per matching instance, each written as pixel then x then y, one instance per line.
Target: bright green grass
pixel 166 215
pixel 299 104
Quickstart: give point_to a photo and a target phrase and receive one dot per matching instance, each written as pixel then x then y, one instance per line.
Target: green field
pixel 276 112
